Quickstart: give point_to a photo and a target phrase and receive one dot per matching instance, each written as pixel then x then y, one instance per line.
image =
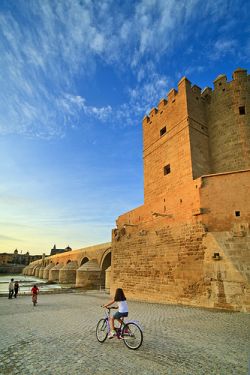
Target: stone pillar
pixel 41 272
pixel 107 278
pixel 32 270
pixel 88 276
pixel 47 269
pixel 25 270
pixel 67 274
pixel 54 272
pixel 37 270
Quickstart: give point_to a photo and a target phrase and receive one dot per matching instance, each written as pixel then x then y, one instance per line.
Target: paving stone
pixel 58 338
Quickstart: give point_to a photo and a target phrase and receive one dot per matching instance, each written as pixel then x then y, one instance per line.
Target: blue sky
pixel 76 79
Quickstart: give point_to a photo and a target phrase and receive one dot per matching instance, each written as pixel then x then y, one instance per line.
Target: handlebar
pixel 110 308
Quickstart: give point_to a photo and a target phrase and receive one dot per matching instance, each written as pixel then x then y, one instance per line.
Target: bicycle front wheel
pixel 102 330
pixel 132 336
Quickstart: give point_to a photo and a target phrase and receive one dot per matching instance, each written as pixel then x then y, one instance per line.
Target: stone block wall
pixel 229 131
pixel 224 198
pixel 161 251
pixel 181 205
pixel 166 142
pixel 164 265
pixel 183 264
pixel 227 274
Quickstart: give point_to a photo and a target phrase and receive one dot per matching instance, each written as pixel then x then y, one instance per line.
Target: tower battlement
pixel 221 84
pixel 197 132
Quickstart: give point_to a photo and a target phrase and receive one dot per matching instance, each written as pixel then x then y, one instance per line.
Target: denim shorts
pixel 119 315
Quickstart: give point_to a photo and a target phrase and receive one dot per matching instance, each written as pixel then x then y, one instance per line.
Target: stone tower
pixel 195 133
pixel 196 151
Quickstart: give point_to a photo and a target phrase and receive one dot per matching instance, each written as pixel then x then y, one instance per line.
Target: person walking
pixel 11 288
pixel 16 289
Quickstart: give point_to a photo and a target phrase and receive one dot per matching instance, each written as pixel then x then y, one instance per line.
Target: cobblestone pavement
pixel 58 337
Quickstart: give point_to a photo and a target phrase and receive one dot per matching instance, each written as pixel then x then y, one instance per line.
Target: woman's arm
pixel 109 303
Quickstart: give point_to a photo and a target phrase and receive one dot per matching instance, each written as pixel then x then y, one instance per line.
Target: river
pixel 25 283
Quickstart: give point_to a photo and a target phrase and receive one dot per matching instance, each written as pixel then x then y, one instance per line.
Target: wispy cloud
pixel 46 49
pixel 223 47
pixel 75 105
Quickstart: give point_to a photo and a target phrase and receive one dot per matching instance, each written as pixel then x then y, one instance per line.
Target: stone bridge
pixel 86 268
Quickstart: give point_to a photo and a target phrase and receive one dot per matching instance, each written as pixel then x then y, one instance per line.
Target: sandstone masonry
pixel 189 243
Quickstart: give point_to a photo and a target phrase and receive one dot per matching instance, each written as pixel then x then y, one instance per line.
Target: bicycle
pixel 130 332
pixel 34 299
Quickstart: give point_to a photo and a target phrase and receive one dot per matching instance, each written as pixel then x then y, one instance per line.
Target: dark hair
pixel 119 295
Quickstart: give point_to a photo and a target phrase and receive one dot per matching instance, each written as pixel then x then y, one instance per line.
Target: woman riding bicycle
pixel 122 310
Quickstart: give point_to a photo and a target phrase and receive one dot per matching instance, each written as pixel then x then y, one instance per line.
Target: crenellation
pixel 171 95
pixel 183 82
pixel 220 85
pixel 162 103
pixel 196 90
pixel 206 93
pixel 239 74
pixel 221 80
pixel 145 120
pixel 153 112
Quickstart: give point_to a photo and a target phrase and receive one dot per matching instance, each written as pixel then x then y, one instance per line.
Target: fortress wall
pixel 181 205
pixel 199 149
pixel 169 148
pixel 198 129
pixel 176 264
pixel 172 149
pixel 227 277
pixel 169 112
pixel 229 131
pixel 164 265
pixel 221 196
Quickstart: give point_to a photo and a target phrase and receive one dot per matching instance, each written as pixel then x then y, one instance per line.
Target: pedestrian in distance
pixel 122 310
pixel 34 292
pixel 11 288
pixel 16 289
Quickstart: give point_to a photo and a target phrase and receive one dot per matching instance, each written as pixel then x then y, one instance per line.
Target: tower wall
pixel 198 132
pixel 229 131
pixel 166 143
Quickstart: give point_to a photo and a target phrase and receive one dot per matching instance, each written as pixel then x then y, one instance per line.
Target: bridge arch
pixel 105 269
pixel 84 260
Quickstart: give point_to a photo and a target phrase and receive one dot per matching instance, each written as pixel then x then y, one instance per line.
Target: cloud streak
pixel 4 238
pixel 45 50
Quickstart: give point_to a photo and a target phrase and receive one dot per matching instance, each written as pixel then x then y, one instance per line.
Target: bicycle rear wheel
pixel 102 330
pixel 132 336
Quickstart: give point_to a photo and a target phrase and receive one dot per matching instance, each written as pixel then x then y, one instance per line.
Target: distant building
pixel 55 251
pixel 16 260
